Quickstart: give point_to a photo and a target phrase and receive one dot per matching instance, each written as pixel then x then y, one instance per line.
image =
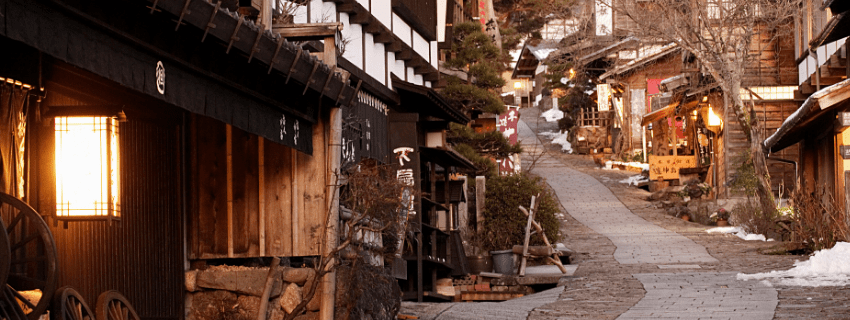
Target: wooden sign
pixel 667 167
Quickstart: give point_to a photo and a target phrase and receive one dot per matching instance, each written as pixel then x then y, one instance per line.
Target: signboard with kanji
pixel 667 167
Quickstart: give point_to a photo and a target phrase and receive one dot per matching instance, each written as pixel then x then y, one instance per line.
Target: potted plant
pixel 720 218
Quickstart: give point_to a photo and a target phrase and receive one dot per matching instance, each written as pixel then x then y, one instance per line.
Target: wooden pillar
pixel 326 311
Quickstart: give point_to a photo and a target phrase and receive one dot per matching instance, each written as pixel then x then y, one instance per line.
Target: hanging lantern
pixel 87 168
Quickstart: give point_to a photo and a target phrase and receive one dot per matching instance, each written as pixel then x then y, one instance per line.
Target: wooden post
pixel 296 227
pixel 229 150
pixel 326 311
pixel 480 191
pixel 330 51
pixel 261 192
pixel 847 198
pixel 527 237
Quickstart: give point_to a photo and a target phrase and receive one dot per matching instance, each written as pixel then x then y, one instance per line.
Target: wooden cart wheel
pixel 112 305
pixel 69 305
pixel 33 264
pixel 5 254
pixel 9 308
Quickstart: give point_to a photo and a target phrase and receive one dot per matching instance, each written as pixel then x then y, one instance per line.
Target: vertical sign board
pixel 364 130
pixel 603 95
pixel 507 125
pixel 667 167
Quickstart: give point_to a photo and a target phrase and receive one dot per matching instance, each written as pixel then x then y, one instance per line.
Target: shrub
pixel 504 224
pixel 748 215
pixel 818 222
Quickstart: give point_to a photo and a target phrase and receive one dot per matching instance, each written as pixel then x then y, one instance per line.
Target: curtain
pixel 13 102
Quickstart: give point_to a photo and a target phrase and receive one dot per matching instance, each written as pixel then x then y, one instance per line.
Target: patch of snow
pixel 635 180
pixel 828 267
pixel 552 115
pixel 566 146
pixel 740 233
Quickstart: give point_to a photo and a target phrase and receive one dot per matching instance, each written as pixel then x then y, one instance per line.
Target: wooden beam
pixel 431 76
pixel 395 45
pixel 349 7
pixel 261 175
pixel 384 36
pixel 229 151
pixel 406 54
pixel 373 27
pixel 308 30
pixel 360 17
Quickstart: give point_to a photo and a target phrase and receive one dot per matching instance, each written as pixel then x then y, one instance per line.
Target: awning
pixel 810 116
pixel 836 29
pixel 670 110
pixel 637 63
pixel 446 158
pixel 426 101
pixel 659 114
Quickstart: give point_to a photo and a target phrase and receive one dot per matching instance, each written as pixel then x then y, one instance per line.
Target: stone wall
pixel 234 293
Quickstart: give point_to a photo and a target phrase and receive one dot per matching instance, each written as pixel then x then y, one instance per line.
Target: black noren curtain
pixel 13 128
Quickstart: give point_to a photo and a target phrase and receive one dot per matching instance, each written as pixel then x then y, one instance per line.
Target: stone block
pixel 316 302
pixel 291 297
pixel 298 275
pixel 249 281
pixel 308 316
pixel 204 305
pixel 248 306
pixel 191 280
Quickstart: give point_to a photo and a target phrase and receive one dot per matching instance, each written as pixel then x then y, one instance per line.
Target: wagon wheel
pixel 69 305
pixel 33 264
pixel 111 305
pixel 5 254
pixel 9 308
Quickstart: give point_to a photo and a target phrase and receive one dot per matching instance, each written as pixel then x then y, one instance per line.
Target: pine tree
pixel 474 54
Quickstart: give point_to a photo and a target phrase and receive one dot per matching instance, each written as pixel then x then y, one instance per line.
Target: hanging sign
pixel 160 77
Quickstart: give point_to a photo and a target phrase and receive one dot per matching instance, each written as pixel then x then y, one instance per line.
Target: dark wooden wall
pixel 244 207
pixel 141 256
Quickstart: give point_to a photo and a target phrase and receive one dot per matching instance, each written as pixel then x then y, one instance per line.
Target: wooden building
pixel 819 127
pixel 219 142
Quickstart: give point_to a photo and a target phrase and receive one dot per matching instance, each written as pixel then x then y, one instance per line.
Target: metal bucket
pixel 503 261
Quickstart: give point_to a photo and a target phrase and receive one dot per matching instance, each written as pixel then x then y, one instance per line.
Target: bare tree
pixel 720 35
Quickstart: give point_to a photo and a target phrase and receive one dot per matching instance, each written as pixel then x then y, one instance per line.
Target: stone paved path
pixel 637 241
pixel 702 296
pixel 633 268
pixel 592 204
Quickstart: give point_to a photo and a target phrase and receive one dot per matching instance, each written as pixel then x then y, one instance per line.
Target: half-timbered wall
pixel 253 197
pixel 413 22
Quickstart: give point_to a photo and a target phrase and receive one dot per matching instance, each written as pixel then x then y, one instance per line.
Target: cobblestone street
pixel 636 262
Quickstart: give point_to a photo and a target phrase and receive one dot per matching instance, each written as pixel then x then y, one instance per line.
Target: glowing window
pixel 87 168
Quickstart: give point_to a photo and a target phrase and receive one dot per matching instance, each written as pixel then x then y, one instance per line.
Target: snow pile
pixel 552 115
pixel 828 267
pixel 631 166
pixel 740 233
pixel 635 180
pixel 566 146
